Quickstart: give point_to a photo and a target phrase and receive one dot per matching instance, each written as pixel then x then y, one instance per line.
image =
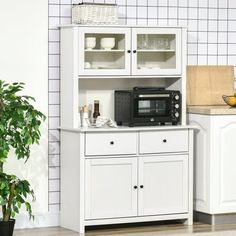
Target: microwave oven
pixel 144 106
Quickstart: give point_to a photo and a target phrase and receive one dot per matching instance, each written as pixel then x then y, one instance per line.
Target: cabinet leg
pixel 188 221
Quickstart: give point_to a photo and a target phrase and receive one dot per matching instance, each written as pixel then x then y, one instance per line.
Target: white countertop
pixel 126 128
pixel 212 110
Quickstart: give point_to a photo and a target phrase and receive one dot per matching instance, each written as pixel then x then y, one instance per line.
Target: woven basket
pixel 92 13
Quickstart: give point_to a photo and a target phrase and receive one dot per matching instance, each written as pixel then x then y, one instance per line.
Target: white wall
pixel 24 57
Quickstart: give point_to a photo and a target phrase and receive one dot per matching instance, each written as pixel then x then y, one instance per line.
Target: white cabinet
pixel 215 163
pixel 125 185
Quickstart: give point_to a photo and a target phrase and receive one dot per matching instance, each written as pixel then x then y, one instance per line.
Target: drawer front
pixel 163 141
pixel 120 143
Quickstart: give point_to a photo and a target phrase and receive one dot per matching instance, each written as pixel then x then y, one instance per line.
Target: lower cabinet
pixel 125 176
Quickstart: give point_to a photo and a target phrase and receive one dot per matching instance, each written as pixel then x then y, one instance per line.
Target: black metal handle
pixel 164 140
pixel 129 51
pixel 134 51
pixel 135 186
pixel 112 142
pixel 141 186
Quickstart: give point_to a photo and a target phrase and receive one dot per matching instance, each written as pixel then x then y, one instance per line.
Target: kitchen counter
pixel 212 110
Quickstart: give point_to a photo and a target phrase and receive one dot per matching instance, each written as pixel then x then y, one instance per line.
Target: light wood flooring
pixel 147 230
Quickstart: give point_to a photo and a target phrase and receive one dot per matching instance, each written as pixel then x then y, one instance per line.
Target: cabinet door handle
pixel 141 186
pixel 112 142
pixel 135 186
pixel 164 141
pixel 129 51
pixel 134 51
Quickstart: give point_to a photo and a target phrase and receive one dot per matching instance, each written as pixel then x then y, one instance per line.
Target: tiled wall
pixel 211 41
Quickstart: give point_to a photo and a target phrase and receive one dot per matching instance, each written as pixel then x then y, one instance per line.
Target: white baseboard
pixel 41 220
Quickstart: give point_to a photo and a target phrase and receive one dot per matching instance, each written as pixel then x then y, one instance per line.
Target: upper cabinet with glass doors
pixel 129 51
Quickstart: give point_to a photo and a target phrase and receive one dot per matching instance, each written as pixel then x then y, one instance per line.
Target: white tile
pixel 152 12
pixel 212 25
pixel 212 3
pixel 162 12
pixel 53 73
pixel 183 13
pixel 192 37
pixel 173 22
pixel 212 14
pixel 202 48
pixel 142 2
pixel 54 147
pixel 121 2
pixel 232 14
pixel 193 3
pixel 152 2
pixel 110 1
pixel 202 25
pixel 222 25
pixel 54 110
pixel 222 49
pixel 222 37
pixel 162 22
pixel 173 3
pixel 202 3
pixel 173 12
pixel 212 60
pixel 202 60
pixel 231 60
pixel 223 14
pixel 131 2
pixel 54 122
pixel 65 1
pixel 183 22
pixel 54 85
pixel 142 12
pixel 53 60
pixel 76 1
pixel 55 208
pixel 54 185
pixel 54 98
pixel 152 22
pixel 202 13
pixel 53 22
pixel 232 3
pixel 212 48
pixel 212 37
pixel 54 160
pixel 53 2
pixel 54 35
pixel 162 3
pixel 122 21
pixel 232 49
pixel 222 60
pixel 99 1
pixel 131 12
pixel 192 48
pixel 54 197
pixel 54 135
pixel 192 60
pixel 232 25
pixel 192 13
pixel 122 11
pixel 65 10
pixel 53 48
pixel 202 37
pixel 141 22
pixel 65 20
pixel 192 25
pixel 131 21
pixel 54 173
pixel 223 4
pixel 183 3
pixel 54 10
pixel 231 37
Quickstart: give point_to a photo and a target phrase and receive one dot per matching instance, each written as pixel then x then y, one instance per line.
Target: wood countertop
pixel 212 110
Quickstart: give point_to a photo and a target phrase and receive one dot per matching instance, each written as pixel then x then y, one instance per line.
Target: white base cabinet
pixel 104 181
pixel 215 161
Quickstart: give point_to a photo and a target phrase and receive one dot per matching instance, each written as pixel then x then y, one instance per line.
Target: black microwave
pixel 147 106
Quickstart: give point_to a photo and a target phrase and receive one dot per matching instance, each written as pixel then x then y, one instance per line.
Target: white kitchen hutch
pixel 122 175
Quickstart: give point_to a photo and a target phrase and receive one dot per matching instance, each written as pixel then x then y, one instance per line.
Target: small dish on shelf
pixel 107 43
pixel 230 100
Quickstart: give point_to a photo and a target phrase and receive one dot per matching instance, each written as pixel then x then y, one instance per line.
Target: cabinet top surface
pixel 212 110
pixel 120 26
pixel 129 129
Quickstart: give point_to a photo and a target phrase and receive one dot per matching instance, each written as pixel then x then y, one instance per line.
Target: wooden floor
pixel 147 230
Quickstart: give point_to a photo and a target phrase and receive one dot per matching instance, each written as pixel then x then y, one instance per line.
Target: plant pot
pixel 7 227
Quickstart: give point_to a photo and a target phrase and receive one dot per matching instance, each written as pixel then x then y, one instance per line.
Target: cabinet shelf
pixel 155 50
pixel 103 50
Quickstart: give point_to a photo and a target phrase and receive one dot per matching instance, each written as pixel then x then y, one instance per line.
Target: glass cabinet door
pixel 104 51
pixel 156 51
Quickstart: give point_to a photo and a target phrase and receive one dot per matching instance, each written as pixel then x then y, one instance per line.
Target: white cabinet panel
pixel 109 188
pixel 163 141
pixel 165 185
pixel 111 143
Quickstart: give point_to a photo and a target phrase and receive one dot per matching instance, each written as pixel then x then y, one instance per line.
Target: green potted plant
pixel 19 129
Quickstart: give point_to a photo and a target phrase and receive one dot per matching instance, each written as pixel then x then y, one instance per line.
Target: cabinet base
pixel 218 219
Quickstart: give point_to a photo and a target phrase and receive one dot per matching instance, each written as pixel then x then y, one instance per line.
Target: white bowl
pixel 107 43
pixel 90 43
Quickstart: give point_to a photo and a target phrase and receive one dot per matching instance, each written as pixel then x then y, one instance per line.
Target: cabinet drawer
pixel 163 141
pixel 120 143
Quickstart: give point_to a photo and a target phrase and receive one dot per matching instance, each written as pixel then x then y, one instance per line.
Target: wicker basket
pixel 92 13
